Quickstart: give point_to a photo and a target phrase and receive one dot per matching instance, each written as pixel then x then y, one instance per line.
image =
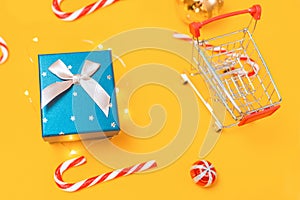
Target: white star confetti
pixel 108 77
pixel 26 93
pixel 44 74
pixel 72 118
pixel 113 124
pixel 100 46
pixel 91 118
pixel 35 39
pixel 75 94
pixel 45 120
pixel 73 152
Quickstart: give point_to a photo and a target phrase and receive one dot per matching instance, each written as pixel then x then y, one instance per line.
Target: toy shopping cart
pixel 235 71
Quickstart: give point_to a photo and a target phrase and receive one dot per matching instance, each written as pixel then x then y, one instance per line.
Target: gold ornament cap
pixel 198 10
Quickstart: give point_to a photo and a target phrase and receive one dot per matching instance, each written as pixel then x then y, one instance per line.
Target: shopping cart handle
pixel 195 27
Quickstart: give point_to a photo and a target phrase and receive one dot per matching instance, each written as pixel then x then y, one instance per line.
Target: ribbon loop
pixel 60 70
pixel 89 68
pixel 92 87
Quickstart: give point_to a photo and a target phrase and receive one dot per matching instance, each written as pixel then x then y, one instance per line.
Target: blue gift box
pixel 78 98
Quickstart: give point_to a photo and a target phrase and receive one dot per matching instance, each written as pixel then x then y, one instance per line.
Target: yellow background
pixel 257 161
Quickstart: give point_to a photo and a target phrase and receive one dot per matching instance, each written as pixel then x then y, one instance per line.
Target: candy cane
pixel 71 16
pixel 249 61
pixel 241 72
pixel 4 51
pixel 207 46
pixel 72 187
pixel 183 37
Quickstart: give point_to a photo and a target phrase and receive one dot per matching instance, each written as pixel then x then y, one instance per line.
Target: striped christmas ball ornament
pixel 203 173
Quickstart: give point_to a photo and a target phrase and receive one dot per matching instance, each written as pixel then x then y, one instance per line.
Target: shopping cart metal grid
pixel 234 69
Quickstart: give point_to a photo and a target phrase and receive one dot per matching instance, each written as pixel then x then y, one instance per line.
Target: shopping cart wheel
pixel 185 82
pixel 218 129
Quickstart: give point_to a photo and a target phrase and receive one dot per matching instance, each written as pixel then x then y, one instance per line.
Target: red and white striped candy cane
pixel 249 61
pixel 73 187
pixel 241 72
pixel 187 38
pixel 183 37
pixel 4 51
pixel 71 16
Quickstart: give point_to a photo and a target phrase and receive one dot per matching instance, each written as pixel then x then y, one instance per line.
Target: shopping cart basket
pixel 235 71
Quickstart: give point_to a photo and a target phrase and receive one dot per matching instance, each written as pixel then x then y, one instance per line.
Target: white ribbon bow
pixel 92 88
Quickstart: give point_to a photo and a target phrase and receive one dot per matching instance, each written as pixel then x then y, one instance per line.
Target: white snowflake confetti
pixel 72 118
pixel 75 94
pixel 45 120
pixel 91 118
pixel 108 77
pixel 44 74
pixel 61 133
pixel 69 67
pixel 113 124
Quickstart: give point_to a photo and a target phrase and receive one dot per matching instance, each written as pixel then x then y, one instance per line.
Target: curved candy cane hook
pixel 71 16
pixel 73 187
pixel 249 61
pixel 4 51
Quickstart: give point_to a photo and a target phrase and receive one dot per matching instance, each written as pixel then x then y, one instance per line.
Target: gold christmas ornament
pixel 198 10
